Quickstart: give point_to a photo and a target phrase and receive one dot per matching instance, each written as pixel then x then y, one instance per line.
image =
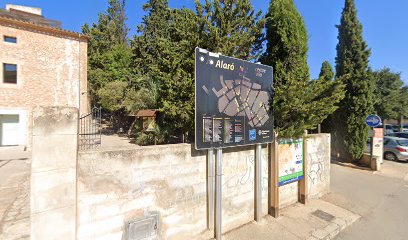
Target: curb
pixel 334 228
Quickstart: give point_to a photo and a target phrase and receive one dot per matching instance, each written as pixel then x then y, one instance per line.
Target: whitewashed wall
pixel 117 186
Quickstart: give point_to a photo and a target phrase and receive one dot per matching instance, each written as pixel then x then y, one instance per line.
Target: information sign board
pixel 232 101
pixel 290 160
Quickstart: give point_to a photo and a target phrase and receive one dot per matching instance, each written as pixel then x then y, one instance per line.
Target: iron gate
pixel 90 130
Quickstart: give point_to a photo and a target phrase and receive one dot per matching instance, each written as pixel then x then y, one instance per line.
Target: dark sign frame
pixel 232 101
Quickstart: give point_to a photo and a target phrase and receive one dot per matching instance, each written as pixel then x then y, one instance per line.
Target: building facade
pixel 40 65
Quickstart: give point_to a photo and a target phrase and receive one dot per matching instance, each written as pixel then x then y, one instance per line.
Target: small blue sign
pixel 373 120
pixel 252 134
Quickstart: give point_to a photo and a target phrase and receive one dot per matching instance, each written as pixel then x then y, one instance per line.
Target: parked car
pixel 399 134
pixel 404 128
pixel 395 148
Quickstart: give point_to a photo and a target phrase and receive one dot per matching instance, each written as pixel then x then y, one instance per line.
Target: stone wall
pixel 117 186
pixel 94 194
pixel 318 162
pixel 53 173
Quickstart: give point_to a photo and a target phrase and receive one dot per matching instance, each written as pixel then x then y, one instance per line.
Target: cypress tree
pixel 286 52
pixel 326 72
pixel 299 103
pixel 334 91
pixel 350 133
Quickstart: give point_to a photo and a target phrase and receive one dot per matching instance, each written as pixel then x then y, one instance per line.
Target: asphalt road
pixel 381 199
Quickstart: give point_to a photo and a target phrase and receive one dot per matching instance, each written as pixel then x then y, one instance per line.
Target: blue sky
pixel 384 23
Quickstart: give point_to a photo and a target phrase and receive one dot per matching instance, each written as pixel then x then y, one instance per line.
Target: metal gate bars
pixel 90 130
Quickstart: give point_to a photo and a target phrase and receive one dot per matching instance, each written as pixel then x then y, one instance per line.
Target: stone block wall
pixel 117 186
pixel 318 162
pixel 53 173
pixel 94 194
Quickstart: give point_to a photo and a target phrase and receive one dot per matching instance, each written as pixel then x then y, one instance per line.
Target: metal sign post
pixel 210 189
pixel 372 144
pixel 218 194
pixel 274 180
pixel 372 121
pixel 258 182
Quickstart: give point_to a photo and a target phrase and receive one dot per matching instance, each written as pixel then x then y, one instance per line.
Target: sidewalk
pixel 316 220
pixel 14 193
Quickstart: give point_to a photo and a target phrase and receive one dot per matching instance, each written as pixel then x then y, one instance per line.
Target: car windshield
pixel 402 143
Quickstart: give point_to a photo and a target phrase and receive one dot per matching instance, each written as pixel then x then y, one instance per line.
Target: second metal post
pixel 258 182
pixel 218 195
pixel 210 188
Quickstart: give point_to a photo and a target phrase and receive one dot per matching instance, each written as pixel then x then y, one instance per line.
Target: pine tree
pixel 352 59
pixel 231 27
pixel 298 103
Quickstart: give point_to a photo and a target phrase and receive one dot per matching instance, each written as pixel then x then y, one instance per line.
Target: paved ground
pixel 114 141
pixel 381 198
pixel 298 222
pixel 14 195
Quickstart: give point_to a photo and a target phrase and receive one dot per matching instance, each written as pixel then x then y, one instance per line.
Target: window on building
pixel 10 39
pixel 9 73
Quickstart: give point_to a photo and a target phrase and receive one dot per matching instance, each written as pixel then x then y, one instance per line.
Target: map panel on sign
pixel 235 94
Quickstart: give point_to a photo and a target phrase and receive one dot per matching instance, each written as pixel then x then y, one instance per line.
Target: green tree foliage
pixel 390 94
pixel 404 102
pixel 351 132
pixel 164 51
pixel 114 82
pixel 299 103
pixel 326 72
pixel 128 97
pixel 334 89
pixel 108 34
pixel 231 27
pixel 153 35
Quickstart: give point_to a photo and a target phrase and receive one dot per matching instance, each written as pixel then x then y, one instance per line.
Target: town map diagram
pixel 241 97
pixel 232 101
